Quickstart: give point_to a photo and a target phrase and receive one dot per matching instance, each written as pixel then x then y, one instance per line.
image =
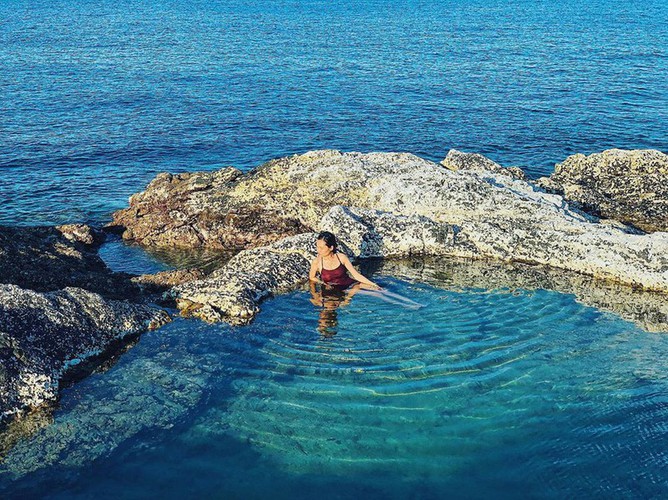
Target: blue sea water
pixel 483 393
pixel 97 97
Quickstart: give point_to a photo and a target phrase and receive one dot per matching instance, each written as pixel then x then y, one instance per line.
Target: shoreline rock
pixel 233 292
pixel 47 258
pixel 62 308
pixel 490 213
pixel 629 186
pixel 457 160
pixel 190 210
pixel 43 335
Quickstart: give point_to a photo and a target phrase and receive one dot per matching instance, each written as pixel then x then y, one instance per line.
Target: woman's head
pixel 326 243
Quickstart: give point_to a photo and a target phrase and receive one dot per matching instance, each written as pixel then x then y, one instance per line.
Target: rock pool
pixel 496 390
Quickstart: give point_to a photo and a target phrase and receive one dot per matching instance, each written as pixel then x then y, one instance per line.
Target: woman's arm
pixel 353 272
pixel 314 270
pixel 316 298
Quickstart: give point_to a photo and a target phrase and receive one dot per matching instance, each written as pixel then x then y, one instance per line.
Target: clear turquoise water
pixel 482 393
pixel 97 97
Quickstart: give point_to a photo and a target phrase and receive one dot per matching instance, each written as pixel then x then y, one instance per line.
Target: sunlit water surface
pixel 481 393
pixel 97 97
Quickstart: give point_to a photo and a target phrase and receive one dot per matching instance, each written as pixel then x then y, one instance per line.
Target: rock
pixel 495 215
pixel 371 233
pixel 44 335
pixel 82 233
pixel 160 282
pixel 192 210
pixel 233 293
pixel 630 186
pixel 49 258
pixel 456 160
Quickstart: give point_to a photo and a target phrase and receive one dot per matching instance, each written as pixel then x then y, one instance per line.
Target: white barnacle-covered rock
pixel 372 233
pixel 457 160
pixel 42 335
pixel 630 186
pixel 233 292
pixel 400 204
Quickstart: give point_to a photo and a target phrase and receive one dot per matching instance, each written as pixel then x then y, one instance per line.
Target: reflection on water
pixel 649 310
pixel 207 260
pixel 329 299
pixel 133 258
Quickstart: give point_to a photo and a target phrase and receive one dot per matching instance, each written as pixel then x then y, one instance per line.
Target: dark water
pixel 97 97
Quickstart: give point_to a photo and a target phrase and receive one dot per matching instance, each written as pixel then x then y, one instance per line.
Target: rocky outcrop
pixel 630 186
pixel 457 160
pixel 489 215
pixel 379 204
pixel 233 293
pixel 82 233
pixel 192 210
pixel 51 258
pixel 44 335
pixel 62 308
pixel 371 233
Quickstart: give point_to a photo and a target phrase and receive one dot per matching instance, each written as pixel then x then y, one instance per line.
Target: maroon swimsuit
pixel 337 277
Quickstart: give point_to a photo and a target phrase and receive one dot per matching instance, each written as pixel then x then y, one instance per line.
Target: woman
pixel 335 268
pixel 338 274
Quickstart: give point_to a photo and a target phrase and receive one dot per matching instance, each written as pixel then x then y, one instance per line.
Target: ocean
pixel 98 97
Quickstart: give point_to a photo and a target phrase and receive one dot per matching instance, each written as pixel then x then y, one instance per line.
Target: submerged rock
pixel 649 310
pixel 43 335
pixel 630 186
pixel 152 393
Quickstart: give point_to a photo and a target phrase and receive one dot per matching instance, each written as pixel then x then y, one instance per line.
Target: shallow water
pixel 100 96
pixel 499 392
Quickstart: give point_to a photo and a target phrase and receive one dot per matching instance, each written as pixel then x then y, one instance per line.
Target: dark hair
pixel 328 238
